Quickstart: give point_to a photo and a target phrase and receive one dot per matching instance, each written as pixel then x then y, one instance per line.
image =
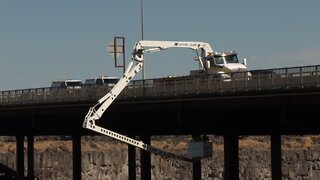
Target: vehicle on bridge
pixel 67 84
pixel 211 63
pixel 102 80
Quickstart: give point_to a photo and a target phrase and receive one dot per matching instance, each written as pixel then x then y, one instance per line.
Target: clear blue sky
pixel 41 40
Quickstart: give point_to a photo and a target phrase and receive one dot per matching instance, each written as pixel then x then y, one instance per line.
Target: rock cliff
pixel 106 159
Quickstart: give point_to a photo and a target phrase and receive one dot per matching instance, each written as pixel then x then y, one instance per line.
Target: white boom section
pixel 133 68
pixel 136 143
pixel 154 46
pixel 106 100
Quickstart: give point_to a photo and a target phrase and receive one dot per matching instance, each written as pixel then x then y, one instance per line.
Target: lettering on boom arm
pixel 185 44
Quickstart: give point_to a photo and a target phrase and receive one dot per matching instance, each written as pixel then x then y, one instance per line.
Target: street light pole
pixel 143 67
pixel 141 19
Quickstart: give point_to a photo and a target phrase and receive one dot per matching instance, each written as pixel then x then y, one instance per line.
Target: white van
pixel 102 80
pixel 69 84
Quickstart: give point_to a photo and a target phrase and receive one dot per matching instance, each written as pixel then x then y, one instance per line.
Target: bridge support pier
pixel 196 169
pixel 132 162
pixel 276 165
pixel 76 157
pixel 145 160
pixel 30 150
pixel 20 157
pixel 231 156
pixel 196 164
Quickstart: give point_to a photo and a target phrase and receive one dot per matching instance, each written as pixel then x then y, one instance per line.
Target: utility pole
pixel 141 8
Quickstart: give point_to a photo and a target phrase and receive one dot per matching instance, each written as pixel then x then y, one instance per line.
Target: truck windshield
pixel 232 59
pixel 226 59
pixel 219 59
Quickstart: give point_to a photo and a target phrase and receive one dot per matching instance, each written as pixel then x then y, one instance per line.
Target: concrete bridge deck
pixel 279 102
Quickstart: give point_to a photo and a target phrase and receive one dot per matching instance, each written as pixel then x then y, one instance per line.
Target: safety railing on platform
pixel 259 80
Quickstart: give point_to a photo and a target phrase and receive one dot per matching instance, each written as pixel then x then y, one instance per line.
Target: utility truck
pixel 219 64
pixel 210 63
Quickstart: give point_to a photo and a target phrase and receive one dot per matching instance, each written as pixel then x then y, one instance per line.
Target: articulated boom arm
pixel 162 45
pixel 133 68
pixel 103 103
pixel 153 46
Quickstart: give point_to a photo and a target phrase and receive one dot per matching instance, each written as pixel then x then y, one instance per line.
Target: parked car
pixel 102 80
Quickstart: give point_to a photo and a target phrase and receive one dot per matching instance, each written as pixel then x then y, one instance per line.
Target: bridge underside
pixel 289 113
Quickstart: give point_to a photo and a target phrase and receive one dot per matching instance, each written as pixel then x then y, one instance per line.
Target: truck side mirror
pixel 245 61
pixel 208 65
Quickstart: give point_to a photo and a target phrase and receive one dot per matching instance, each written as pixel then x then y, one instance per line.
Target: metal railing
pixel 268 79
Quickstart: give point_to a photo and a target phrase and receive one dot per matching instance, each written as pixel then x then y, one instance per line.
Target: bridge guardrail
pixel 268 79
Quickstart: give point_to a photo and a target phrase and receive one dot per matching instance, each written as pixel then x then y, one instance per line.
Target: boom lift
pixel 205 57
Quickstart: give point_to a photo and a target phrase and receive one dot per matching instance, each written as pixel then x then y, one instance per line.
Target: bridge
pixel 272 102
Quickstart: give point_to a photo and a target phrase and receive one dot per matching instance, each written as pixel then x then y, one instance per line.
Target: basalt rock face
pixel 111 163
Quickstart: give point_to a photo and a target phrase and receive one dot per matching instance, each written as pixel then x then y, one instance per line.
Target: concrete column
pixel 231 157
pixel 20 157
pixel 196 164
pixel 76 157
pixel 132 162
pixel 145 161
pixel 30 148
pixel 196 169
pixel 276 164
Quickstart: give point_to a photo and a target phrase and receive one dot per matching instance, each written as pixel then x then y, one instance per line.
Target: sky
pixel 42 40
